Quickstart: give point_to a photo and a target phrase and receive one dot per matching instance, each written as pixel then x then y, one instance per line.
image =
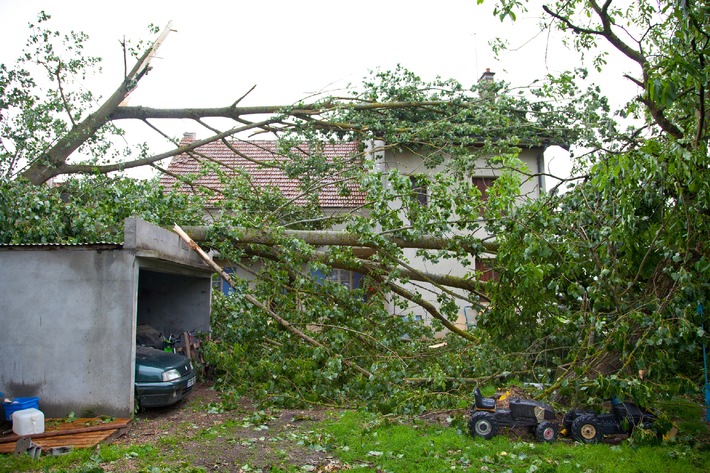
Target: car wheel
pixel 137 408
pixel 546 432
pixel 482 424
pixel 586 429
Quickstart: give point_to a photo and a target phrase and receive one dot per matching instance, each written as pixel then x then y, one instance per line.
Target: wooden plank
pixel 97 428
pixel 186 344
pixel 77 434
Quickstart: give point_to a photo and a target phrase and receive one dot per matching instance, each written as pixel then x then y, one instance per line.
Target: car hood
pixel 153 358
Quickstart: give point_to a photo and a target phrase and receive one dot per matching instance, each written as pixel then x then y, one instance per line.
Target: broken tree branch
pixel 91 169
pixel 252 300
pixel 41 170
pixel 429 307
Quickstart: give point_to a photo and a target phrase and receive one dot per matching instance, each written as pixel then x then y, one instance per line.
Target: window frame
pixel 420 190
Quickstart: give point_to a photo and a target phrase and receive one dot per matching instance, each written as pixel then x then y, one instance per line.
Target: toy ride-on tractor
pixel 590 427
pixel 486 417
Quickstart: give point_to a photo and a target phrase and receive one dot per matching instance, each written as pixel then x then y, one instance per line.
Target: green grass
pixel 689 417
pixel 372 443
pixel 87 460
pixel 368 444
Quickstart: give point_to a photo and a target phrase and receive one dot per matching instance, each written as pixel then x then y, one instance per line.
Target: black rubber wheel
pixel 585 428
pixel 546 432
pixel 482 424
pixel 567 421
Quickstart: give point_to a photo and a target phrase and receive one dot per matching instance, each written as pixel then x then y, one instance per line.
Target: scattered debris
pixel 78 433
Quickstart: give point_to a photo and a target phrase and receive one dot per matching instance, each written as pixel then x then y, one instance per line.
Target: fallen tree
pixel 284 323
pixel 593 287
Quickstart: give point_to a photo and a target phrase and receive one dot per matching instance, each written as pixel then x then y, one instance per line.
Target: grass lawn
pixel 333 441
pixel 369 444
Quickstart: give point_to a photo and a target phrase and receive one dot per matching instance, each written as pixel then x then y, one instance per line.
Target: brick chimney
pixel 189 136
pixel 485 83
pixel 486 76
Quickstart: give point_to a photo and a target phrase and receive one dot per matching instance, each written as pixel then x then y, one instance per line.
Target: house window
pixel 419 187
pixel 483 183
pixel 486 272
pixel 344 277
pixel 349 279
pixel 220 284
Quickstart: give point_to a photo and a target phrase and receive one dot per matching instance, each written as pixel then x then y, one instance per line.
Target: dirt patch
pixel 197 432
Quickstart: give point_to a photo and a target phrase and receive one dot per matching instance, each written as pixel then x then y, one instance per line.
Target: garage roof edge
pixel 99 245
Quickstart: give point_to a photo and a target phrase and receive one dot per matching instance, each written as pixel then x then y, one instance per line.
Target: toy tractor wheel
pixel 482 424
pixel 586 429
pixel 546 432
pixel 567 422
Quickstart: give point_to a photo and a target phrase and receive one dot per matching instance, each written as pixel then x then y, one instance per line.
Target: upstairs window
pixel 419 186
pixel 486 272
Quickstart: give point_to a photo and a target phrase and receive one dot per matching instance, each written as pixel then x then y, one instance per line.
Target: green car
pixel 162 378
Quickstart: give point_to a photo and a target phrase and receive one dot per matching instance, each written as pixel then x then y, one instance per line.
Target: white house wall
pixel 408 163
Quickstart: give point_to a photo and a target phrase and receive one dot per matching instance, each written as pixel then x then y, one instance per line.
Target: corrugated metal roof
pixel 102 245
pixel 256 158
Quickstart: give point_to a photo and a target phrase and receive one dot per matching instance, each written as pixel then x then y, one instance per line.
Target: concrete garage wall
pixel 68 315
pixel 68 329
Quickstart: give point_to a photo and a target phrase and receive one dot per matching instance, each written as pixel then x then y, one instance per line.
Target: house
pixel 242 158
pixel 69 315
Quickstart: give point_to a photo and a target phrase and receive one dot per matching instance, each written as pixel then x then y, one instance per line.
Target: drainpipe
pixel 541 170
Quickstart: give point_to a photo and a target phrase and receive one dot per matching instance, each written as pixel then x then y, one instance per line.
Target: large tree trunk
pixel 340 238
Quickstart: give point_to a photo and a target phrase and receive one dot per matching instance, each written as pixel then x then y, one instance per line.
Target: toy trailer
pixel 590 427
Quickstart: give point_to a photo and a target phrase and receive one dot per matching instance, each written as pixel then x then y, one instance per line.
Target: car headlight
pixel 170 375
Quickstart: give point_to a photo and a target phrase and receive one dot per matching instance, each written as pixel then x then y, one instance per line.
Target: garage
pixel 69 313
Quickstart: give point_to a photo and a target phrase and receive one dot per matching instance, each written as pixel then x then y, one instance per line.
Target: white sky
pixel 287 48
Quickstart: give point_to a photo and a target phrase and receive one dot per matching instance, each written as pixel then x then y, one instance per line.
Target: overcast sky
pixel 288 49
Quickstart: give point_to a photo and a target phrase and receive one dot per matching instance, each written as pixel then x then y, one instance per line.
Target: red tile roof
pixel 261 154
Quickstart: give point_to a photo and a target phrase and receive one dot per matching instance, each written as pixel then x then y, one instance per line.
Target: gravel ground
pixel 196 432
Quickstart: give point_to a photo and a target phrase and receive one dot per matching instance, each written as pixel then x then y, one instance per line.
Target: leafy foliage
pixel 606 279
pixel 593 287
pixel 603 284
pixel 273 367
pixel 87 210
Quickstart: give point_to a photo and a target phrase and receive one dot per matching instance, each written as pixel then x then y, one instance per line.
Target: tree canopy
pixel 619 263
pixel 597 288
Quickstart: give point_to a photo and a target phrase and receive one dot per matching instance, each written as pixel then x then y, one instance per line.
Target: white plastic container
pixel 28 422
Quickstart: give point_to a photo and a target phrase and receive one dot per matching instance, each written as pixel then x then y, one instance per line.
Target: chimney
pixel 486 76
pixel 486 87
pixel 189 136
